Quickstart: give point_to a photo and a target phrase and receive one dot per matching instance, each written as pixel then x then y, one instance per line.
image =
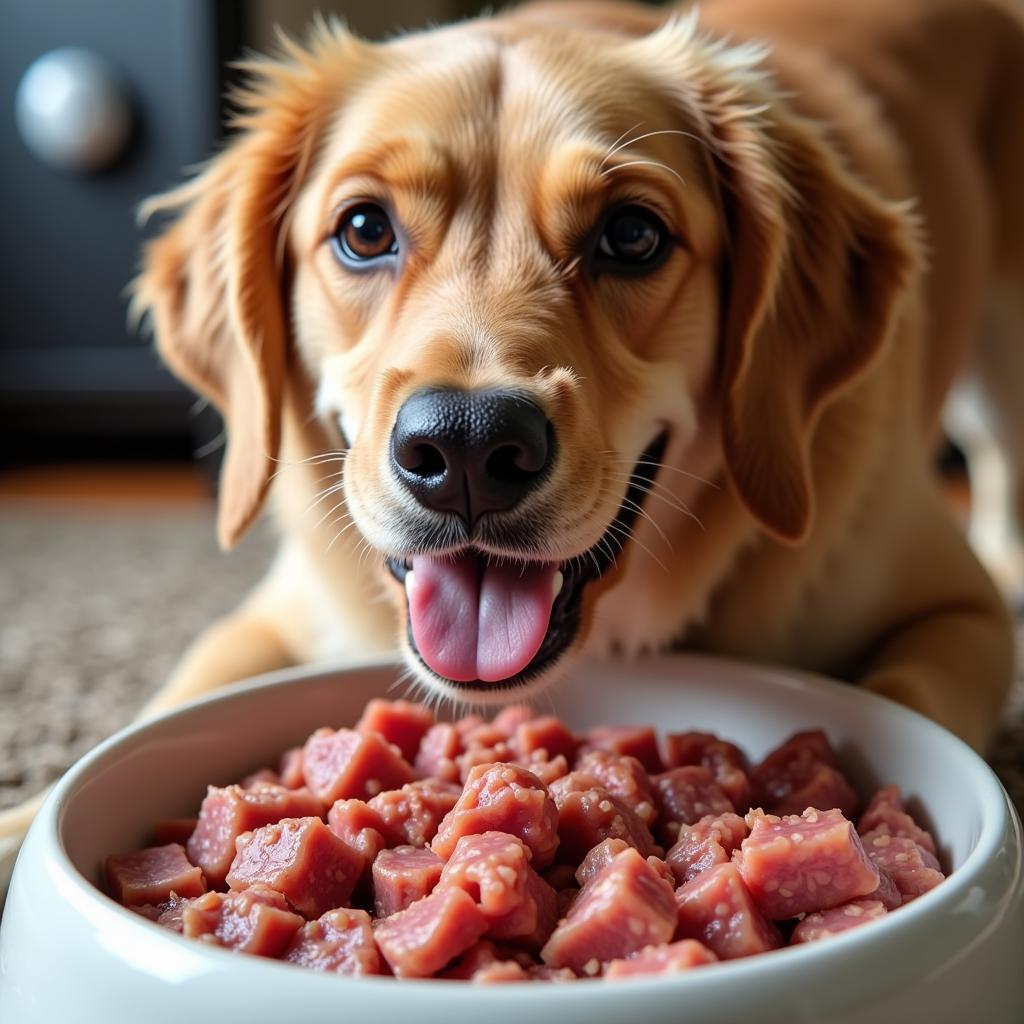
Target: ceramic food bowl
pixel 70 954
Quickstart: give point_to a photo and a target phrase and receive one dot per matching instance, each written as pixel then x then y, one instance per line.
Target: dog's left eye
pixel 364 235
pixel 633 239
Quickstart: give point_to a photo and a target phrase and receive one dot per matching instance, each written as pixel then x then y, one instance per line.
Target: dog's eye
pixel 633 238
pixel 364 235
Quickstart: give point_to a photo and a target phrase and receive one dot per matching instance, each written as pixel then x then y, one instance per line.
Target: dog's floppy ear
pixel 213 282
pixel 815 270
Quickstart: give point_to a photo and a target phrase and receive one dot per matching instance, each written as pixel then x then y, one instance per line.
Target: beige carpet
pixel 97 605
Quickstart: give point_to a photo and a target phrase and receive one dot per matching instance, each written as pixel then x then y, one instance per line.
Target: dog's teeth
pixel 408 583
pixel 556 583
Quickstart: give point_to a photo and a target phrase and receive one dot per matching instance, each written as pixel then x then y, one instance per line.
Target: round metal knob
pixel 72 110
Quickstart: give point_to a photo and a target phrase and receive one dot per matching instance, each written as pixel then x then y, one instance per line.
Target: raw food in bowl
pixel 952 955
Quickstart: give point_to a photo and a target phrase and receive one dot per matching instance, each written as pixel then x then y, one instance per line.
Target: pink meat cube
pixel 726 762
pixel 624 777
pixel 494 868
pixel 717 909
pixel 801 864
pixel 256 921
pixel 803 772
pixel 626 907
pixel 436 757
pixel 152 875
pixel 227 813
pixel 886 813
pixel 588 814
pixel 491 867
pixel 684 796
pixel 502 798
pixel 168 914
pixel 361 828
pixel 300 858
pixel 541 972
pixel 509 718
pixel 637 741
pixel 500 972
pixel 704 844
pixel 483 963
pixel 339 942
pixel 263 777
pixel 670 959
pixel 911 867
pixel 412 814
pixel 836 920
pixel 289 769
pixel 402 876
pixel 596 860
pixel 172 913
pixel 418 941
pixel 478 754
pixel 400 722
pixel 546 733
pixel 887 894
pixel 173 830
pixel 347 764
pixel 545 770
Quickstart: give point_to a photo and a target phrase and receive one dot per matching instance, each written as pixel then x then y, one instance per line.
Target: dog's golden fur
pixel 844 183
pixel 845 202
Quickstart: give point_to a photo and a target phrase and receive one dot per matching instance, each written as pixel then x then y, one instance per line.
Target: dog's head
pixel 523 267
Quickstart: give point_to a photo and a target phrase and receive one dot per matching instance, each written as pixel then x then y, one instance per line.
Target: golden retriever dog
pixel 616 329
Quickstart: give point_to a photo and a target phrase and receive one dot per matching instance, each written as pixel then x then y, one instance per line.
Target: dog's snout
pixel 471 452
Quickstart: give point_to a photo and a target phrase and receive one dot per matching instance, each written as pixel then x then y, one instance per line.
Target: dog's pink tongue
pixel 476 621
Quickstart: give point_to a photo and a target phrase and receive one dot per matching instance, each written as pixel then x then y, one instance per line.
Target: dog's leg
pixel 985 417
pixel 949 650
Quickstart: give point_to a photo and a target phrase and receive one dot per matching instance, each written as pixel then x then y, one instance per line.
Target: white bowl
pixel 70 954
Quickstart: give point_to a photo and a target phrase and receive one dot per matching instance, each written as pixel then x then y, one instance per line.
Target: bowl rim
pixel 997 814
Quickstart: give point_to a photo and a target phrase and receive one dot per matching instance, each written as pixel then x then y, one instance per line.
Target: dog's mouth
pixel 476 621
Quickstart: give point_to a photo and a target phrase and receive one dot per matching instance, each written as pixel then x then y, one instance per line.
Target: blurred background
pixel 108 562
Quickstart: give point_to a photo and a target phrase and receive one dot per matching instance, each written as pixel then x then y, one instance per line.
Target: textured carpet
pixel 96 607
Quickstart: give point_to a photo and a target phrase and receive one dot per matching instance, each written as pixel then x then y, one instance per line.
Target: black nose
pixel 470 452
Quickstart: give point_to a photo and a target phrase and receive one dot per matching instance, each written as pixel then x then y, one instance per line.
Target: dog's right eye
pixel 364 235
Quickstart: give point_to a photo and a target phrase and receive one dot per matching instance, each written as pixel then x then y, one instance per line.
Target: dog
pixel 606 328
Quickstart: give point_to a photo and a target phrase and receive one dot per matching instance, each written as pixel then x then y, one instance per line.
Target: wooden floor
pixel 107 484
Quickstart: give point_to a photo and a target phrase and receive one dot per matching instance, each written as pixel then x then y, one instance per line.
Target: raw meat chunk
pixel 265 776
pixel 588 814
pixel 478 754
pixel 684 796
pixel 545 770
pixel 599 857
pixel 153 875
pixel 289 769
pixel 437 753
pixel 400 722
pixel 670 959
pixel 707 842
pixel 803 772
pixel 546 733
pixel 347 764
pixel 227 813
pixel 911 867
pixel 402 876
pixel 624 777
pixel 418 941
pixel 886 812
pixel 300 858
pixel 174 830
pixel 836 920
pixel 717 909
pixel 411 814
pixel 502 798
pixel 361 828
pixel 509 718
pixel 256 921
pixel 339 942
pixel 726 762
pixel 626 907
pixel 801 864
pixel 637 741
